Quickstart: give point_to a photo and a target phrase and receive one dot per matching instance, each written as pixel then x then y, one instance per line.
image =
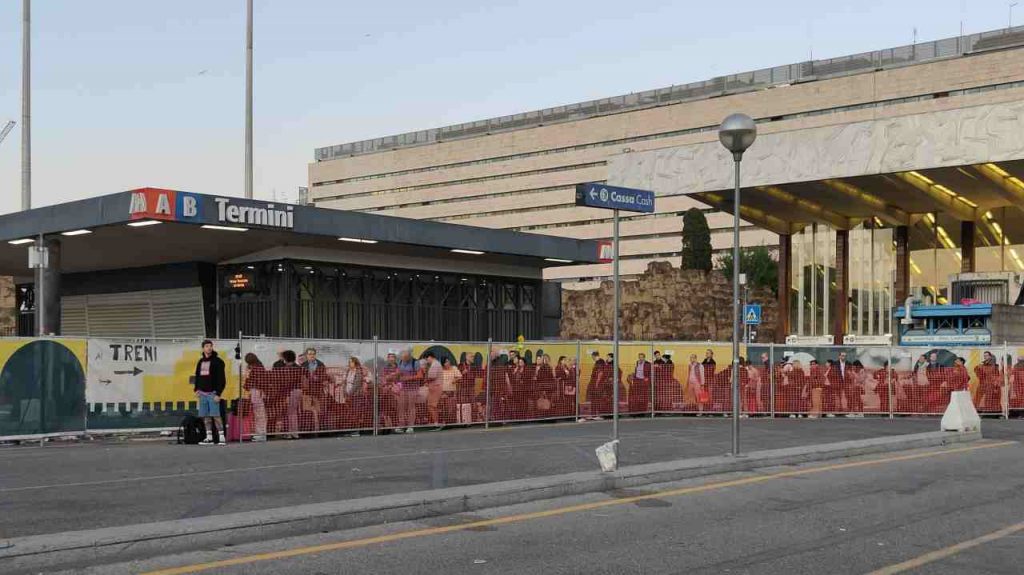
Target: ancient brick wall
pixel 665 303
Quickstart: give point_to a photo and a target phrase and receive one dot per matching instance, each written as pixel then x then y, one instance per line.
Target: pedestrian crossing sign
pixel 752 314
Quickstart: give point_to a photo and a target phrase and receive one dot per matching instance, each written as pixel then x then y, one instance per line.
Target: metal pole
pixel 487 383
pixel 736 309
pixel 248 98
pixel 1007 366
pixel 26 109
pixel 651 356
pixel 616 360
pixel 376 387
pixel 579 363
pixel 240 417
pixel 771 377
pixel 746 328
pixel 892 385
pixel 40 288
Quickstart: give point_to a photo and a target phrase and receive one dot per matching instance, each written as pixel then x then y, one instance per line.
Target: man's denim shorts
pixel 207 406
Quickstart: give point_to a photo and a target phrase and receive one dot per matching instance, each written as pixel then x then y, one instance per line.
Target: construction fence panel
pixel 42 386
pixel 596 391
pixel 818 381
pixel 925 377
pixel 532 381
pixel 298 387
pixel 456 397
pixel 693 377
pixel 148 383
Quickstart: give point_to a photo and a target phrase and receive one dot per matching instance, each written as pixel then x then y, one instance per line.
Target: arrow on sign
pixel 134 371
pixel 593 194
pixel 105 381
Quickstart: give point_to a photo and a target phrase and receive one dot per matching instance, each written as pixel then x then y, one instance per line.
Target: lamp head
pixel 737 133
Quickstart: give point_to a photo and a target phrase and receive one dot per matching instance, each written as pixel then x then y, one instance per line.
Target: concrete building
pixel 518 172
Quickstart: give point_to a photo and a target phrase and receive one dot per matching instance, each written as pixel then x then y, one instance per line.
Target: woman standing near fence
pixel 565 379
pixel 517 384
pixel 465 390
pixel 695 384
pixel 545 385
pixel 990 383
pixel 450 376
pixel 258 384
pixel 358 403
pixel 884 378
pixel 803 391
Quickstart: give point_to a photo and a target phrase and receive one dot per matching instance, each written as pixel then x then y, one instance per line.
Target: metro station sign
pixel 176 206
pixel 164 205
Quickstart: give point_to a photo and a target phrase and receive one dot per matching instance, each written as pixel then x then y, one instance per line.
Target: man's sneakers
pixel 207 441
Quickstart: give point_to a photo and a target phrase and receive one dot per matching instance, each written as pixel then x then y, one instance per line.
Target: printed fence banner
pixel 42 385
pixel 330 387
pixel 695 377
pixel 533 380
pixel 143 383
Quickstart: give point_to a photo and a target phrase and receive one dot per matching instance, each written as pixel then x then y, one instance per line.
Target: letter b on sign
pixel 188 207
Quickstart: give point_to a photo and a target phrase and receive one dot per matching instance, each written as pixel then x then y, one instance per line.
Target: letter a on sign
pixel 163 206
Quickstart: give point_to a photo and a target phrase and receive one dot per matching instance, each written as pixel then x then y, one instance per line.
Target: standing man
pixel 315 380
pixel 595 388
pixel 390 389
pixel 410 377
pixel 766 387
pixel 640 385
pixel 840 383
pixel 209 384
pixel 432 379
pixel 711 379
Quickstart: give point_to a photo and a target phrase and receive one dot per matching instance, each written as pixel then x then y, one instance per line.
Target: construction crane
pixel 7 130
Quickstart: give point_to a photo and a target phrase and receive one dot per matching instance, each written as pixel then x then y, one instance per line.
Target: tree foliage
pixel 758 263
pixel 696 241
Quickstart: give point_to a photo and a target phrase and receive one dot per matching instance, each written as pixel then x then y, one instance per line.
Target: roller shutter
pixel 155 313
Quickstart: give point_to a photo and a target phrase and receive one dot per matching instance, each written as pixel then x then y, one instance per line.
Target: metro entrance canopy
pixel 137 242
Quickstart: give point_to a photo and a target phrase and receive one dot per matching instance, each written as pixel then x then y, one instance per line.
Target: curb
pixel 130 541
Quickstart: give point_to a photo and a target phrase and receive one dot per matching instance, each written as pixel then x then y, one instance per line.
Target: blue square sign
pixel 752 314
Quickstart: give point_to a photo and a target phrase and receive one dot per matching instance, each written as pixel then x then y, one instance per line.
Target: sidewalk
pixel 74 487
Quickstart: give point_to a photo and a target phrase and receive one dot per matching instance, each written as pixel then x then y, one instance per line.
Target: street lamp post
pixel 737 133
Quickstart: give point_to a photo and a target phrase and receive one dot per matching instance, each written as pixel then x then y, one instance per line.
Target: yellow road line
pixel 341 545
pixel 939 554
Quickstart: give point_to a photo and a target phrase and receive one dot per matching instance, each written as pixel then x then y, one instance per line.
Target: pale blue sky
pixel 131 93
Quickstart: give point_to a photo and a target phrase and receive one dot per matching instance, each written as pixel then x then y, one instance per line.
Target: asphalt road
pixel 854 515
pixel 73 487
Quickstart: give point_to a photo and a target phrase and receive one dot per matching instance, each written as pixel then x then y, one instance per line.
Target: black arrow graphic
pixel 133 371
pixel 105 381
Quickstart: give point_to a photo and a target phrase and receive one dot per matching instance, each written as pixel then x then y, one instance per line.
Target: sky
pixel 134 93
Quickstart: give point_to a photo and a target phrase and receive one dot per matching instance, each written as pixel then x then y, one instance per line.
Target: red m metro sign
pixel 166 205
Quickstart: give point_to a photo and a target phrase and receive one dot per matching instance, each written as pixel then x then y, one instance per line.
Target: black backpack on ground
pixel 191 431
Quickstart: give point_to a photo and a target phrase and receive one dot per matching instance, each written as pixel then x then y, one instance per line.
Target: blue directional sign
pixel 752 314
pixel 614 198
